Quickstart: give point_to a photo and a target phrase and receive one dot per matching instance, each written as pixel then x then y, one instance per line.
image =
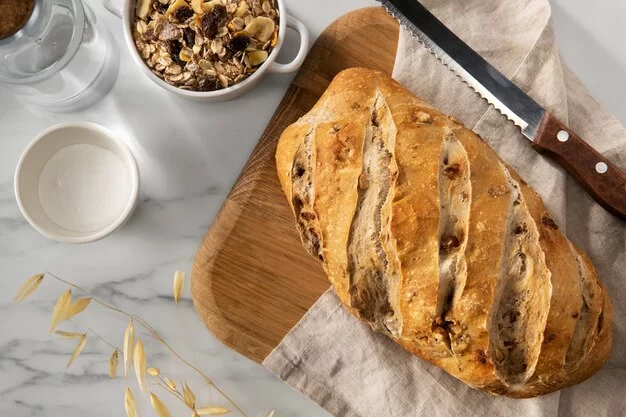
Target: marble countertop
pixel 189 155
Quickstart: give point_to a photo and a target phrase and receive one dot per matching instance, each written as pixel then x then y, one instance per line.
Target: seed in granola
pixel 238 23
pixel 182 14
pixel 173 69
pixel 205 65
pixel 257 57
pixel 223 31
pixel 142 27
pixel 174 78
pixel 216 46
pixel 212 21
pixel 223 80
pixel 145 53
pixel 165 61
pixel 267 7
pixel 261 28
pixel 239 42
pixel 169 31
pixel 185 54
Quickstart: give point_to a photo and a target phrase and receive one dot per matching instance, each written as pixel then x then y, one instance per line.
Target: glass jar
pixel 60 60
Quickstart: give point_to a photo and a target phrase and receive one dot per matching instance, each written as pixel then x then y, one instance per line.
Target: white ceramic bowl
pixel 42 149
pixel 127 13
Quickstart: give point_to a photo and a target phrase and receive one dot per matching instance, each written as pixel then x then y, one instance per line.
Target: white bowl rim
pixel 128 37
pixel 130 162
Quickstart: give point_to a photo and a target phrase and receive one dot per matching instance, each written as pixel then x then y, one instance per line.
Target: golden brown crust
pixel 431 240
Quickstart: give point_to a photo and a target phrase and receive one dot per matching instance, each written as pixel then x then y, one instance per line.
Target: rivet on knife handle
pixel 602 179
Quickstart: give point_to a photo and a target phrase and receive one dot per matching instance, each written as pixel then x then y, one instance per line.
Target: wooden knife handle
pixel 602 179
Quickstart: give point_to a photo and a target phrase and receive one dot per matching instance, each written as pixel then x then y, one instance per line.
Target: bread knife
pixel 600 177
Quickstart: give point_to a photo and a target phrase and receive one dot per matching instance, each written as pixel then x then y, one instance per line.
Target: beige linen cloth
pixel 338 362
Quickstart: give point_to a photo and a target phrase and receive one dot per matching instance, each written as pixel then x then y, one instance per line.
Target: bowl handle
pixel 113 6
pixel 299 27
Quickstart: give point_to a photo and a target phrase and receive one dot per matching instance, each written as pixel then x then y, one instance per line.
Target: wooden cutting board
pixel 252 280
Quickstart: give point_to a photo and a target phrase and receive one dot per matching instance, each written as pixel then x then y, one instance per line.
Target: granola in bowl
pixel 205 45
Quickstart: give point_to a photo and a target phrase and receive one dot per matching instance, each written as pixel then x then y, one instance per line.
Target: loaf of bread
pixel 428 237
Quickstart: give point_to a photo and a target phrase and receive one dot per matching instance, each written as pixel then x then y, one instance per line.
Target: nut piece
pixel 196 5
pixel 261 28
pixel 175 6
pixel 142 8
pixel 242 9
pixel 208 6
pixel 257 57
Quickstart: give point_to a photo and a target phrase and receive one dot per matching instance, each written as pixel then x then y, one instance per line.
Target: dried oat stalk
pixel 69 335
pixel 58 313
pixel 77 350
pixel 113 362
pixel 189 397
pixel 212 411
pixel 129 344
pixel 133 349
pixel 140 364
pixel 159 407
pixel 129 403
pixel 28 288
pixel 76 307
pixel 179 282
pixel 205 45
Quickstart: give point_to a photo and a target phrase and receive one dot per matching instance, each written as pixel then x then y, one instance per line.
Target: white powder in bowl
pixel 84 188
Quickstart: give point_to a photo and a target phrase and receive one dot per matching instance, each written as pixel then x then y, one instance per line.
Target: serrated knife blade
pixel 601 178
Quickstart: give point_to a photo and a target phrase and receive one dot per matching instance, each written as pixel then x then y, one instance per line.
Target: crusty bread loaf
pixel 433 241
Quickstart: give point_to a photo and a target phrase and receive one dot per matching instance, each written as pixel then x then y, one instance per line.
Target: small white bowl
pixel 29 184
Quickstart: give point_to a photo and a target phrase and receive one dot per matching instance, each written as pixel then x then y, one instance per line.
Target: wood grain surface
pixel 601 178
pixel 252 280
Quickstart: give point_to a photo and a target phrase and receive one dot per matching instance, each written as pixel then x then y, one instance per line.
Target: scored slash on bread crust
pixel 433 241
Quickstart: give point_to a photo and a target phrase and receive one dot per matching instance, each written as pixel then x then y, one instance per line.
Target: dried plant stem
pixel 156 335
pixel 164 386
pixel 89 329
